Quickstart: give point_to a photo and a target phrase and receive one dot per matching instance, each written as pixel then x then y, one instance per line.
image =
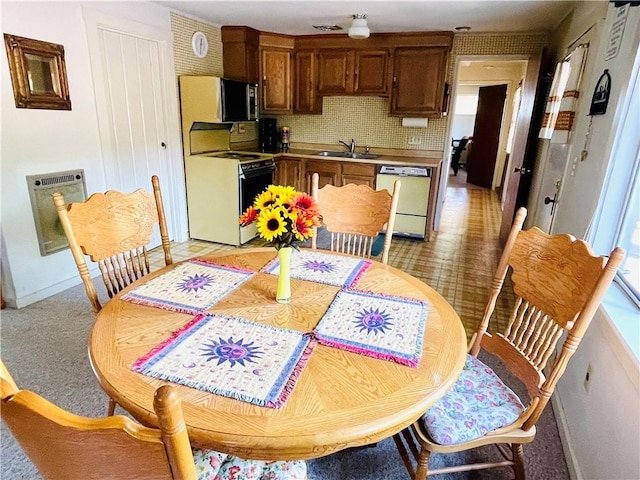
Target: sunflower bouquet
pixel 284 217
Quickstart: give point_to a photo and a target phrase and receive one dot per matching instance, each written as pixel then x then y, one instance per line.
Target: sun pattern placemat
pixel 379 326
pixel 233 357
pixel 321 267
pixel 191 287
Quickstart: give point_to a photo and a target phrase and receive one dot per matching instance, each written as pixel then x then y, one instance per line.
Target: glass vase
pixel 283 292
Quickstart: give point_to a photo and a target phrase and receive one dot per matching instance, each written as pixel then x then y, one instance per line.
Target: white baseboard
pixel 565 438
pixel 46 292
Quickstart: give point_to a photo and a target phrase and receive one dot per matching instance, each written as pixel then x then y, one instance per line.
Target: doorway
pixel 520 74
pixel 474 76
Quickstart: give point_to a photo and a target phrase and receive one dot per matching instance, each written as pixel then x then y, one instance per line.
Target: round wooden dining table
pixel 341 399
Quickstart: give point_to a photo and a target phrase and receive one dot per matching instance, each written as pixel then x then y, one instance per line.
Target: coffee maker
pixel 268 135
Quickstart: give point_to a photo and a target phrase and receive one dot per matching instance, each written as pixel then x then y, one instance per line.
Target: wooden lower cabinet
pixel 297 172
pixel 358 173
pixel 289 172
pixel 328 172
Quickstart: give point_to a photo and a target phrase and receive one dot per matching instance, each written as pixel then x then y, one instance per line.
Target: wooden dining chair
pixel 113 229
pixel 558 284
pixel 66 446
pixel 354 215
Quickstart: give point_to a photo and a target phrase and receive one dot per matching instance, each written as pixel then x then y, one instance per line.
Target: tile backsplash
pixel 364 119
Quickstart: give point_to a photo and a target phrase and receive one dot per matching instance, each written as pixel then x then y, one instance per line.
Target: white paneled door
pixel 133 98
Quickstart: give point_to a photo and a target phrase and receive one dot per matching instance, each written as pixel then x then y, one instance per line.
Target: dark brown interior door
pixel 481 161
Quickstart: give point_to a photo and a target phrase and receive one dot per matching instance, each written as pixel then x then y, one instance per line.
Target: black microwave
pixel 238 101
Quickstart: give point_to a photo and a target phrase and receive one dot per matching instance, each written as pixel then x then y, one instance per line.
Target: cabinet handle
pixel 395 81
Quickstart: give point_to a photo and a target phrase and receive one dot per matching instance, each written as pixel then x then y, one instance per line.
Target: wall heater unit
pixel 51 237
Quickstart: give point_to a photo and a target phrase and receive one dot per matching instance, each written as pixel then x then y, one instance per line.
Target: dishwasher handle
pixel 405 171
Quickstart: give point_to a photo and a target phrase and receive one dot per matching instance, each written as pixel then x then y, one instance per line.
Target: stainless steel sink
pixel 341 154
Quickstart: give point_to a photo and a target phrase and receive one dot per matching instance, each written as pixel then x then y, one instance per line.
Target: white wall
pixel 601 425
pixel 43 141
pixel 575 210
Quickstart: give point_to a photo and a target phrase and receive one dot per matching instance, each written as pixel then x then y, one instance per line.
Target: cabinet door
pixel 306 71
pixel 275 67
pixel 358 173
pixel 328 172
pixel 288 172
pixel 335 71
pixel 418 81
pixel 240 53
pixel 371 74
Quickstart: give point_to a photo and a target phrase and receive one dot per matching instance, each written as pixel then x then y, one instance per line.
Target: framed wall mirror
pixel 38 73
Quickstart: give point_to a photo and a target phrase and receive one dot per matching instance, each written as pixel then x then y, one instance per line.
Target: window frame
pixel 621 303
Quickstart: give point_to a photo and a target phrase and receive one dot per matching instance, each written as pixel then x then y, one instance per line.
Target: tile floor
pixel 459 262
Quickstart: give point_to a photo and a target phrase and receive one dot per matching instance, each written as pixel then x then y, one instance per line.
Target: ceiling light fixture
pixel 359 28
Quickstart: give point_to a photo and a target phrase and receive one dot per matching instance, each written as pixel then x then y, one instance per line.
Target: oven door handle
pixel 257 172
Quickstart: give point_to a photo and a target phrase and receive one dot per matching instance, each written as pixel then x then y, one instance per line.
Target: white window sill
pixel 624 317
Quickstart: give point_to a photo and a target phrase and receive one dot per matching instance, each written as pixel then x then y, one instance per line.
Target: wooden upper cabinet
pixel 349 71
pixel 418 81
pixel 306 99
pixel 335 71
pixel 370 70
pixel 240 53
pixel 275 73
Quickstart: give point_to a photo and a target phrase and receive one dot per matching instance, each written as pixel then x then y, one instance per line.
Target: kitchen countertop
pixel 385 156
pixel 379 160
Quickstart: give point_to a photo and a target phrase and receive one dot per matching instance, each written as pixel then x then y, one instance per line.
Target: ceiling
pixel 298 17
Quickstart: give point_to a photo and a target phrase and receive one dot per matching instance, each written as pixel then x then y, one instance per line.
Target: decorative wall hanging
pixel 600 98
pixel 38 73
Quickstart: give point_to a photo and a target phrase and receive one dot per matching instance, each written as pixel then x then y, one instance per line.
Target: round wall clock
pixel 200 44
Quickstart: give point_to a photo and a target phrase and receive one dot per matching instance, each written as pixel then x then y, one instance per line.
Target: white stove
pixel 220 186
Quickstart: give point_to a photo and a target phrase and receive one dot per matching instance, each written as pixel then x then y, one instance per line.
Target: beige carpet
pixel 44 344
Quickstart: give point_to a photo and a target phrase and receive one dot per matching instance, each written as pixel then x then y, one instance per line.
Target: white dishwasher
pixel 415 182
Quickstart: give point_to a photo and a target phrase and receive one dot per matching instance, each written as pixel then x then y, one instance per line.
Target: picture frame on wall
pixel 600 98
pixel 38 73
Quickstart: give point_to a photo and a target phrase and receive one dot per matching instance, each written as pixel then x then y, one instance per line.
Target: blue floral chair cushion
pixel 478 403
pixel 211 465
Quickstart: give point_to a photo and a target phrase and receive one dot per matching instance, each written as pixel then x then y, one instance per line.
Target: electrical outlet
pixel 588 377
pixel 414 140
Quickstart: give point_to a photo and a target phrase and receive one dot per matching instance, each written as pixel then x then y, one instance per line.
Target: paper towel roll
pixel 414 122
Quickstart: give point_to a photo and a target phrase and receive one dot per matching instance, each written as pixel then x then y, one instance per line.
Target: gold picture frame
pixel 38 73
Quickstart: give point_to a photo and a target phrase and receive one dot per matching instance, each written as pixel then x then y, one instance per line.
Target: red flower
pixel 248 216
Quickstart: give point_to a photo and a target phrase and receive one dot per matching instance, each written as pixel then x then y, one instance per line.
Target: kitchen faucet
pixel 352 147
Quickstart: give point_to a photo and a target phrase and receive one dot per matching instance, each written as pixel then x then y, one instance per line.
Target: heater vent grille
pixel 71 184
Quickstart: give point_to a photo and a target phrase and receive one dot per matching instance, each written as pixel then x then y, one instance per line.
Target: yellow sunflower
pixel 271 224
pixel 264 200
